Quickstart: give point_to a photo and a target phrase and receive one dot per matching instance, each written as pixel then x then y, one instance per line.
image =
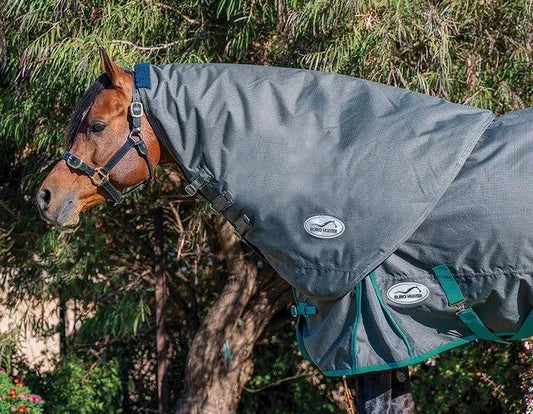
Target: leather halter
pixel 100 175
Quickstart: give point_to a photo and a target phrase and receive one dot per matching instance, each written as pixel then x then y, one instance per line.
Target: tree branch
pixel 188 19
pixel 280 381
pixel 151 48
pixel 173 9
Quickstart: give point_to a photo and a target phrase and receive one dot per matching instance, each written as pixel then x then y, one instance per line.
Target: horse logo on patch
pixel 407 293
pixel 324 227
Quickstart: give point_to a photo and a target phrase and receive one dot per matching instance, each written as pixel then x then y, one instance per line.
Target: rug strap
pixel 242 225
pixel 202 178
pixel 526 330
pixel 455 297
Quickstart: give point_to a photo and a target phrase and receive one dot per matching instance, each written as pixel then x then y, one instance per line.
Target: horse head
pixel 110 146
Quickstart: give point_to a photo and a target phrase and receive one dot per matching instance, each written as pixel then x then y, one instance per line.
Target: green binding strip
pixel 407 361
pixel 388 313
pixel 526 330
pixel 455 297
pixel 299 339
pixel 358 297
pixel 399 364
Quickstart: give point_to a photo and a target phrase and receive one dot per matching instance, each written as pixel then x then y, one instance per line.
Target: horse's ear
pixel 114 72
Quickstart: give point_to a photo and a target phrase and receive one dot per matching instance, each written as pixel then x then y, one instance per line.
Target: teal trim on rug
pixel 408 361
pixel 399 331
pixel 474 323
pixel 299 339
pixel 353 339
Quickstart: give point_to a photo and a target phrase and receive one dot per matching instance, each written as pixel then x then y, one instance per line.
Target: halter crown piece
pixel 100 175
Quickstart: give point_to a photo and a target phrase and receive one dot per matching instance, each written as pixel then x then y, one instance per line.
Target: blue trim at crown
pixel 141 73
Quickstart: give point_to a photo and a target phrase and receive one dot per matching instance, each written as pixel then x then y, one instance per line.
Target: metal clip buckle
pixel 136 109
pixel 242 225
pixel 73 161
pixel 223 201
pixel 99 177
pixel 294 311
pixel 191 189
pixel 460 306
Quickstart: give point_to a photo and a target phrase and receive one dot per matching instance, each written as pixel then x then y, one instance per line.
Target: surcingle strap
pixel 304 309
pixel 456 298
pixel 449 285
pixel 526 330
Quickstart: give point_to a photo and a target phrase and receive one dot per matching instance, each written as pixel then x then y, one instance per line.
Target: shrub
pixel 16 397
pixel 75 387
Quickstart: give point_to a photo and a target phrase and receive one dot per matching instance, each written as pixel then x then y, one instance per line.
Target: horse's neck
pixel 165 157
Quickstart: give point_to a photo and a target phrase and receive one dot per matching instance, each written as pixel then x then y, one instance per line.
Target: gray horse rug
pixel 403 222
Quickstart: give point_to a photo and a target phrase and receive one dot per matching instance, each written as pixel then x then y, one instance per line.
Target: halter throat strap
pixel 100 175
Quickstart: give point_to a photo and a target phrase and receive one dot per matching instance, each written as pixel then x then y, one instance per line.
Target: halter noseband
pixel 100 175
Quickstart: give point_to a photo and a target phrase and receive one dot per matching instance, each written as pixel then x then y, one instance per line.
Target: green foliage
pixel 76 387
pixel 16 397
pixel 479 378
pixel 7 349
pixel 281 386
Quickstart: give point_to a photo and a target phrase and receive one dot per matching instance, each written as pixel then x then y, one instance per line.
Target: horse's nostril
pixel 44 197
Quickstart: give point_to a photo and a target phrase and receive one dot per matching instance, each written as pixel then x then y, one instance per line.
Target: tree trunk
pixel 62 326
pixel 160 304
pixel 220 359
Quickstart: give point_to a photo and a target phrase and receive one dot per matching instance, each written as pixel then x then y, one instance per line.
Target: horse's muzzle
pixel 62 214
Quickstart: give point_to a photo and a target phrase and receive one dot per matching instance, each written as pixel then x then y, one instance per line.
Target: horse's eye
pixel 97 127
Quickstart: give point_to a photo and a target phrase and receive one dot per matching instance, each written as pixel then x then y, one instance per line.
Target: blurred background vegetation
pixel 477 52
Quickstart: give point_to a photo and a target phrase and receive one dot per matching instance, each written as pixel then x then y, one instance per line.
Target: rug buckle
pixel 461 306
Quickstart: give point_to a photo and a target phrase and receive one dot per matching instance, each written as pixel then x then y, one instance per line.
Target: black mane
pixel 84 105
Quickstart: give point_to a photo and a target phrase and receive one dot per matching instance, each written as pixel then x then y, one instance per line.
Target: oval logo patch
pixel 407 293
pixel 324 227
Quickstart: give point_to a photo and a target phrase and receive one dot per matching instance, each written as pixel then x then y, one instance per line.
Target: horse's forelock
pixel 84 105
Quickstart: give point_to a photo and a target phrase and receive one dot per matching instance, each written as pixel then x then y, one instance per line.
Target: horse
pixel 381 279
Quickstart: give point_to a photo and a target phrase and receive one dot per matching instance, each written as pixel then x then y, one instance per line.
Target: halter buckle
pixel 73 161
pixel 99 177
pixel 136 109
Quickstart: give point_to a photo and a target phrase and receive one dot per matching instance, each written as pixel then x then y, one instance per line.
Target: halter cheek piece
pixel 100 175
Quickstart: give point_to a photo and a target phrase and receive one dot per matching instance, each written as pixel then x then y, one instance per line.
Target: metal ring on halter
pixel 140 134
